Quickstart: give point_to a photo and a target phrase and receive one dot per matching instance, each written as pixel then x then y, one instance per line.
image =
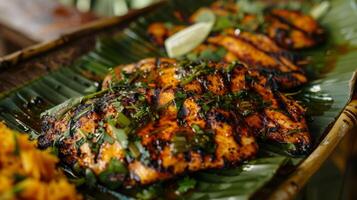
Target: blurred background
pixel 27 22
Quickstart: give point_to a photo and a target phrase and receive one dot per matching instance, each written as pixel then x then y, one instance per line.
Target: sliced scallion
pixel 123 120
pixel 120 135
pixel 179 144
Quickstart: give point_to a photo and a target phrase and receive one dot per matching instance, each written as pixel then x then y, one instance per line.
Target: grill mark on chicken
pixel 290 29
pixel 239 79
pixel 286 73
pixel 193 116
pixel 267 51
pixel 293 30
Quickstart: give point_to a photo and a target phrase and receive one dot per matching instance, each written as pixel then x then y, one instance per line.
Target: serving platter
pixel 46 75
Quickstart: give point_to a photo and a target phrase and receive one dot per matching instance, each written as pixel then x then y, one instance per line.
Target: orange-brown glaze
pixel 193 116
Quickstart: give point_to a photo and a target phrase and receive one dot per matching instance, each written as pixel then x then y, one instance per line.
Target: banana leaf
pixel 332 66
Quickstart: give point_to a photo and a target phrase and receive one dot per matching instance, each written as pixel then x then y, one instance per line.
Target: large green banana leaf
pixel 332 67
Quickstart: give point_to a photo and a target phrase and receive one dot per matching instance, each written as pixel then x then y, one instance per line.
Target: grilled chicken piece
pixel 260 52
pixel 285 29
pixel 256 50
pixel 290 29
pixel 159 118
pixel 272 115
pixel 138 136
pixel 293 30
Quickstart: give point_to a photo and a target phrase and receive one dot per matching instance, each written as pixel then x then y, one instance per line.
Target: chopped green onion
pixel 202 140
pixel 83 112
pixel 196 128
pixel 144 154
pixel 134 150
pixel 179 144
pixel 108 138
pixel 80 142
pixel 120 134
pixel 118 106
pixel 123 120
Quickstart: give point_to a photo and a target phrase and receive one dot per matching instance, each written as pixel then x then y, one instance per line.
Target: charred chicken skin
pixel 160 118
pixel 293 30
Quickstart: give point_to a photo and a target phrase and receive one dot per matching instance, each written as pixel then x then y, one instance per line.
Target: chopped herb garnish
pixel 205 108
pixel 202 140
pixel 90 136
pixel 196 128
pixel 144 154
pixel 80 142
pixel 118 106
pixel 100 136
pixel 123 120
pixel 134 151
pixel 193 70
pixel 179 143
pixel 120 135
pixel 108 138
pixel 83 112
pixel 61 137
pixel 180 97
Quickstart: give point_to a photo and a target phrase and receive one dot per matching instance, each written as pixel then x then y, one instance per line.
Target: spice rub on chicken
pixel 160 118
pixel 266 111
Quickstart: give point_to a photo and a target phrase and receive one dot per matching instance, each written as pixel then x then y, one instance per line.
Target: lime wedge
pixel 319 10
pixel 189 38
